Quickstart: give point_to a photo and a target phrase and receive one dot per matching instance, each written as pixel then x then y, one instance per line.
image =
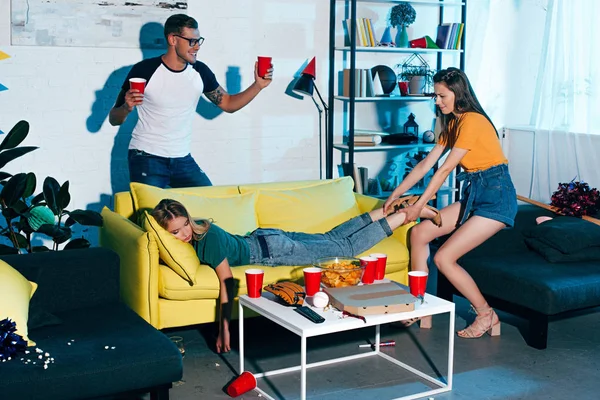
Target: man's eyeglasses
pixel 193 42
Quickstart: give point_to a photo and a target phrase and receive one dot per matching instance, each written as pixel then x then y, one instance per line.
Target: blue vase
pixel 402 37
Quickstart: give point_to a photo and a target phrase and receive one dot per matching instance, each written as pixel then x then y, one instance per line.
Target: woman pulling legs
pixel 488 202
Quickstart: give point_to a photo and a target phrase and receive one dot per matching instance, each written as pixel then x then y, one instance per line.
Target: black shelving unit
pixel 352 50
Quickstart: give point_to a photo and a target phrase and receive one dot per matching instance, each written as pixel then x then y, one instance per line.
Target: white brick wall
pixel 61 92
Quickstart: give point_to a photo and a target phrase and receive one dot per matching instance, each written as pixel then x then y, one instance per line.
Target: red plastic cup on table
pixel 242 384
pixel 381 264
pixel 254 282
pixel 312 280
pixel 264 63
pixel 138 84
pixel 370 265
pixel 417 281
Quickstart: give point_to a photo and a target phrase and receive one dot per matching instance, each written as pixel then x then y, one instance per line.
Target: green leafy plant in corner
pixel 45 213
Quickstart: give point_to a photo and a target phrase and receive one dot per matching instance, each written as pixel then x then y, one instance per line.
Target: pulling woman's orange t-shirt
pixel 477 134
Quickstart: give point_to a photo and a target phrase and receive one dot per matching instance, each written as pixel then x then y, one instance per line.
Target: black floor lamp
pixel 305 87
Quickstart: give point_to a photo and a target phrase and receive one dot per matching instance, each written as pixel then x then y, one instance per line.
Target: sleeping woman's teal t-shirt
pixel 217 245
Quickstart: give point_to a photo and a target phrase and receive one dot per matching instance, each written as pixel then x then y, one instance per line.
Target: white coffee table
pixel 294 322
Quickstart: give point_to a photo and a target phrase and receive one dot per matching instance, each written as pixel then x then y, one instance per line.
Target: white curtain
pixel 567 95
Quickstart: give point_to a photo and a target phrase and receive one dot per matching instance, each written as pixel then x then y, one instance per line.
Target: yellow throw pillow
pixel 16 291
pixel 235 213
pixel 314 209
pixel 177 255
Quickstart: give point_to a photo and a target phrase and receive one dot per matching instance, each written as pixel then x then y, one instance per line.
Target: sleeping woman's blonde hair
pixel 169 209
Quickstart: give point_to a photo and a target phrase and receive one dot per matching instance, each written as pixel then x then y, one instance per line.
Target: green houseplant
pixel 419 78
pixel 45 213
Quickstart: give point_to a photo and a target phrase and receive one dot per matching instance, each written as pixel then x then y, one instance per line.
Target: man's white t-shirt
pixel 165 117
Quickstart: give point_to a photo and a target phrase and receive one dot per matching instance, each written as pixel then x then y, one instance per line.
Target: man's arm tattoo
pixel 216 96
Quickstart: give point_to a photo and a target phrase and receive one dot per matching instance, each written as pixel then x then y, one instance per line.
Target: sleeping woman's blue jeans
pixel 274 247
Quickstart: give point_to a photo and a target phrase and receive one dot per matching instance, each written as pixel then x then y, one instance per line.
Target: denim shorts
pixel 489 193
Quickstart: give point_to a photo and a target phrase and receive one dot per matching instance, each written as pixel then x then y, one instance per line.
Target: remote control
pixel 310 314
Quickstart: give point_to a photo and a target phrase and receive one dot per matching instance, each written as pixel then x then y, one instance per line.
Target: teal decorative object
pixel 386 38
pixel 402 38
pixel 39 216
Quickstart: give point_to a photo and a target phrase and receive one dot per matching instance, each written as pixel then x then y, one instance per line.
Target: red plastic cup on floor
pixel 242 384
pixel 417 281
pixel 138 84
pixel 369 264
pixel 254 282
pixel 264 63
pixel 312 280
pixel 381 264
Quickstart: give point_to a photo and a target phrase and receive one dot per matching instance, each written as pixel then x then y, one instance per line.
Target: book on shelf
pixel 367 140
pixel 369 24
pixel 363 83
pixel 347 169
pixel 449 35
pixel 365 34
pixel 366 137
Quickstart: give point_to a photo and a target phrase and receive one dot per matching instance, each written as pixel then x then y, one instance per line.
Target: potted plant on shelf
pixel 401 16
pixel 416 71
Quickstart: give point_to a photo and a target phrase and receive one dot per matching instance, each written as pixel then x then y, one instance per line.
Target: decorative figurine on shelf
pixel 412 163
pixel 428 136
pixel 386 38
pixel 423 43
pixel 411 127
pixel 408 135
pixel 401 16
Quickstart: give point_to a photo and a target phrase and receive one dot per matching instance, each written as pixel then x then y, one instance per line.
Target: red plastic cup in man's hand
pixel 254 282
pixel 381 263
pixel 369 264
pixel 417 281
pixel 312 280
pixel 264 63
pixel 242 384
pixel 138 84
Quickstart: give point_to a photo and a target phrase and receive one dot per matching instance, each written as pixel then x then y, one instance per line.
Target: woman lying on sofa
pixel 271 247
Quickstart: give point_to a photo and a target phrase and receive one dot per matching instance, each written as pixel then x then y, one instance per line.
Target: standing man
pixel 159 150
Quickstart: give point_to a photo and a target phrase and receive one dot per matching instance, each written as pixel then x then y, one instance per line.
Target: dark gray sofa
pixel 78 302
pixel 520 281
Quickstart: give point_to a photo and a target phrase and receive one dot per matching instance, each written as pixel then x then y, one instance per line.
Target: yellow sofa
pixel 165 299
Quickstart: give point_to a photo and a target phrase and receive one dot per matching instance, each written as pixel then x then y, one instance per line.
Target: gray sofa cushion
pixel 566 234
pixel 505 268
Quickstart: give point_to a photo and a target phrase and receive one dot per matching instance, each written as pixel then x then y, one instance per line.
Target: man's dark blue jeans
pixel 161 172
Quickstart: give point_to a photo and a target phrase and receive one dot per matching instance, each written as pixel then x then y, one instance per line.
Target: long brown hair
pixel 464 101
pixel 169 209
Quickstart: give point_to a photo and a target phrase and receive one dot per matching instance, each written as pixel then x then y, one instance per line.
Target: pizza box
pixel 379 298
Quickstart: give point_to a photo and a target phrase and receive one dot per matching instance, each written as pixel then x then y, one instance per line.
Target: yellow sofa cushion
pixel 253 187
pixel 179 256
pixel 170 285
pixel 234 213
pixel 14 301
pixel 312 209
